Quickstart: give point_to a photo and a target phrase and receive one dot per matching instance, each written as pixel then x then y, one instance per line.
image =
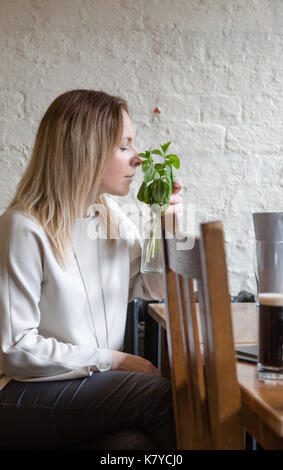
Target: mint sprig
pixel 158 183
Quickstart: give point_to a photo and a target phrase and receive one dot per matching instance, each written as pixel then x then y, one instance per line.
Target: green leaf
pixel 167 180
pixel 165 147
pixel 169 170
pixel 168 188
pixel 141 192
pixel 173 160
pixel 159 190
pixel 150 173
pixel 177 164
pixel 157 152
pixel 159 166
pixel 147 195
pixel 170 174
pixel 145 165
pixel 142 155
pixel 144 194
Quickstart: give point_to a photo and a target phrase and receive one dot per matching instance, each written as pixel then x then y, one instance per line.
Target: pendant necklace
pixel 102 292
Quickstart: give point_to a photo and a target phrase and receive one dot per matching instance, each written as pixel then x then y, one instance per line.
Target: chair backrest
pixel 202 358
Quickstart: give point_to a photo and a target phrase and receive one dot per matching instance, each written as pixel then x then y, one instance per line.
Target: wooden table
pixel 262 401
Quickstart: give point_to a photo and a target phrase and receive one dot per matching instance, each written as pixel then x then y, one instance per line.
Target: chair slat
pixel 184 261
pixel 183 405
pixel 205 390
pixel 224 399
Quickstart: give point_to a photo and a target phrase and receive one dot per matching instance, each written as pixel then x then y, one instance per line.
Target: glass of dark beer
pixel 270 360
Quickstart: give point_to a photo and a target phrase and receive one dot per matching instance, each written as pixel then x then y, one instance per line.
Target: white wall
pixel 214 68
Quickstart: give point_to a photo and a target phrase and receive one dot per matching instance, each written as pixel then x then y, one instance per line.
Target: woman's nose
pixel 139 160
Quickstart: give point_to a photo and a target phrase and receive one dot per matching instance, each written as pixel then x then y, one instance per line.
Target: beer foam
pixel 271 298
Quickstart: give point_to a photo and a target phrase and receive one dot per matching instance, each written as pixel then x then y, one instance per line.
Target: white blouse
pixel 46 329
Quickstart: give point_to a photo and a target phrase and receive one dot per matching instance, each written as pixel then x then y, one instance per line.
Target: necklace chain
pixel 102 291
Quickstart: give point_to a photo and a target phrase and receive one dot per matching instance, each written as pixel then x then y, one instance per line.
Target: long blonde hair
pixel 73 145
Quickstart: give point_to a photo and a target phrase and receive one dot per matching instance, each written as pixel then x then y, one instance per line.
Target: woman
pixel 63 294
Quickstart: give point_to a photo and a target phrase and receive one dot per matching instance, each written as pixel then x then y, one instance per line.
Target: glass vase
pixel 151 258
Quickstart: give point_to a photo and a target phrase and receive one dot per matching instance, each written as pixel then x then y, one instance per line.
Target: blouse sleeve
pixel 24 353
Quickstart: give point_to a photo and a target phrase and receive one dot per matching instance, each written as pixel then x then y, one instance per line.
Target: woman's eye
pixel 124 148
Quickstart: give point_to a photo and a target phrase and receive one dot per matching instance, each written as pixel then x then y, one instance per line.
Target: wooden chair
pixel 206 394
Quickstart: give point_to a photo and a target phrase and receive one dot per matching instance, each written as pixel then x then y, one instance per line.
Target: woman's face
pixel 120 172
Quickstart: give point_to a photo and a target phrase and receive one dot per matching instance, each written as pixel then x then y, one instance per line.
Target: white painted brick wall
pixel 214 68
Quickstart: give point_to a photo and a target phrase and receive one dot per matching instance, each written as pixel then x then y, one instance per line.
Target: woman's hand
pixel 176 200
pixel 132 363
pixel 176 203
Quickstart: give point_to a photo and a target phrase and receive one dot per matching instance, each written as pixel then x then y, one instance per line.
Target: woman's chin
pixel 125 192
pixel 120 191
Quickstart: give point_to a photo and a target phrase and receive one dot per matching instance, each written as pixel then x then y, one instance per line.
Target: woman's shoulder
pixel 16 221
pixel 21 238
